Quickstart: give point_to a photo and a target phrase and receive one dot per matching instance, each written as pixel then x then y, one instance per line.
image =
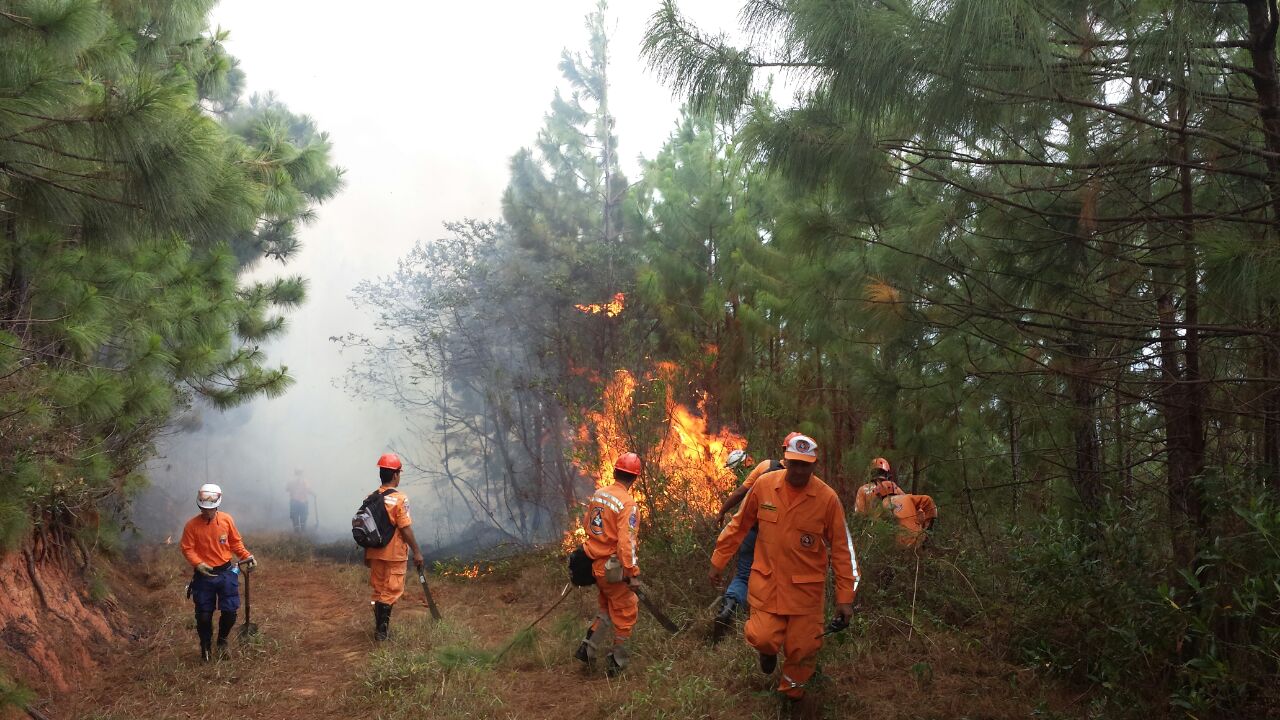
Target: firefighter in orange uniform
pixel 801 530
pixel 916 515
pixel 388 564
pixel 211 543
pixel 611 545
pixel 882 484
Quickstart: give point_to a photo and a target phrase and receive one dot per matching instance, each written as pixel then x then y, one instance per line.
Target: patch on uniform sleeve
pixel 597 521
pixel 806 540
pixel 635 520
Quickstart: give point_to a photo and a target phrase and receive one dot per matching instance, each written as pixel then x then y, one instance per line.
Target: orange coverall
pixel 914 514
pixel 212 542
pixel 866 500
pixel 611 530
pixel 800 533
pixel 755 474
pixel 388 564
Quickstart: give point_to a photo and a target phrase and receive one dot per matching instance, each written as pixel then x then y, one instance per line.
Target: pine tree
pixel 132 193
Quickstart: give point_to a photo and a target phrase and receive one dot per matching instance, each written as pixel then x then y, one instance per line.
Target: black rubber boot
pixel 768 663
pixel 226 621
pixel 204 629
pixel 582 654
pixel 724 619
pixel 381 621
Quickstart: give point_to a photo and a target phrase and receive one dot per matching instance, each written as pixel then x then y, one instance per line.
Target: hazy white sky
pixel 425 103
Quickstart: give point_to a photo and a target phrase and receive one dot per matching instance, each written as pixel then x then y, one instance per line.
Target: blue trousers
pixel 221 591
pixel 746 555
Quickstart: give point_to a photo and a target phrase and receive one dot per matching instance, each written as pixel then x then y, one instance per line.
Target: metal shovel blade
pixel 431 601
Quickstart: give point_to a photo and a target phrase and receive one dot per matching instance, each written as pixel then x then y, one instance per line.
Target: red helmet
pixel 881 464
pixel 787 439
pixel 628 463
pixel 390 461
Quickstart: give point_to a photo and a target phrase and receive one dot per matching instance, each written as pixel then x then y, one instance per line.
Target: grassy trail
pixel 315 659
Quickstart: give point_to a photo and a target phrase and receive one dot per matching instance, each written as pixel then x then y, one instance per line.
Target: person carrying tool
pixel 802 530
pixel 300 494
pixel 211 543
pixel 388 564
pixel 611 545
pixel 735 596
pixel 869 495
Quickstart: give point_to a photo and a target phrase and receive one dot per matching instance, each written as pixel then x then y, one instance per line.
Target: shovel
pixel 431 602
pixel 249 628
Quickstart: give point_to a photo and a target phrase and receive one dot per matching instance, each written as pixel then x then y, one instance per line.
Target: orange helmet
pixel 628 463
pixel 390 461
pixel 881 464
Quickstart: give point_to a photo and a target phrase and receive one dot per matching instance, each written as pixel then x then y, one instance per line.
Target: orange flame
pixel 612 308
pixel 685 470
pixel 469 573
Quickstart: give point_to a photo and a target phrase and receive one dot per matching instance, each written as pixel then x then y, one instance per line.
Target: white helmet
pixel 209 496
pixel 736 458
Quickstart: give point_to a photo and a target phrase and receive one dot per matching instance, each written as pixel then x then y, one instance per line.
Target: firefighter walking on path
pixel 611 545
pixel 801 530
pixel 388 564
pixel 211 543
pixel 735 596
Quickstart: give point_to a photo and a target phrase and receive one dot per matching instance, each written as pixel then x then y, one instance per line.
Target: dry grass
pixel 315 659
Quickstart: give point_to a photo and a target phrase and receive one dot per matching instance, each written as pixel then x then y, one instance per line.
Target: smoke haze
pixel 425 103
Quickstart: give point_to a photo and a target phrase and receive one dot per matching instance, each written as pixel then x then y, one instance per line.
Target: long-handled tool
pixel 431 602
pixel 643 594
pixel 248 629
pixel 563 594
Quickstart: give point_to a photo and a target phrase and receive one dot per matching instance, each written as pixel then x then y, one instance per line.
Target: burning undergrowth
pixel 684 477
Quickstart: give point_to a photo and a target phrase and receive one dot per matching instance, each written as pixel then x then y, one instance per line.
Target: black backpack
pixel 580 573
pixel 371 527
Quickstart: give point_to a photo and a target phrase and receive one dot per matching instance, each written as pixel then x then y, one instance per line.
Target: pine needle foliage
pixel 134 189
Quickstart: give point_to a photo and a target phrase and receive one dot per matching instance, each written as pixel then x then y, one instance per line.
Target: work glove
pixel 204 569
pixel 836 624
pixel 249 564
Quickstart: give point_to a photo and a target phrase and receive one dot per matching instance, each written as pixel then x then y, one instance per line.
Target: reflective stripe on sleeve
pixel 853 557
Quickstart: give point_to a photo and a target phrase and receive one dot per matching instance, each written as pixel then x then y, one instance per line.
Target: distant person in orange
pixel 211 543
pixel 915 514
pixel 802 531
pixel 300 494
pixel 867 501
pixel 388 564
pixel 611 544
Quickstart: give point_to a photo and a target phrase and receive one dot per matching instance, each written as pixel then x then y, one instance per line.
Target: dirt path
pixel 315 659
pixel 311 638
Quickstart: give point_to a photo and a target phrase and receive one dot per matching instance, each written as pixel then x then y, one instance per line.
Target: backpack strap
pixel 381 492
